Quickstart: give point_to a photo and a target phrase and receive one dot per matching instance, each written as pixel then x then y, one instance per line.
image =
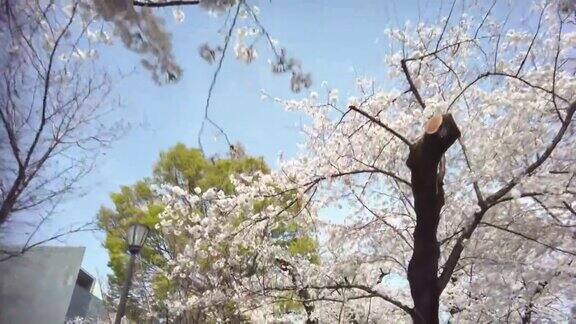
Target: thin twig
pixel 26 248
pixel 527 237
pixel 213 83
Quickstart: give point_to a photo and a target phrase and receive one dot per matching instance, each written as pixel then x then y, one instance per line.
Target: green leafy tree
pixel 187 168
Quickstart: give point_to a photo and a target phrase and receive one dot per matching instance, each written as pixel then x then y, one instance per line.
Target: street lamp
pixel 135 237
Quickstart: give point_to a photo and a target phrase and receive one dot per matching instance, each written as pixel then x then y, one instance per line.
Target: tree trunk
pixel 11 198
pixel 427 172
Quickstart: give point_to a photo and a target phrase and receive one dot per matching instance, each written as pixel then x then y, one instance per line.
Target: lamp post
pixel 136 236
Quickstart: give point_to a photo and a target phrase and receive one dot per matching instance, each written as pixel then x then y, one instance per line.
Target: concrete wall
pixel 84 304
pixel 37 287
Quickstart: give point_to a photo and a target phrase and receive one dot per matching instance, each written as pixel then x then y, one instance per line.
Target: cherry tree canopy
pixel 141 28
pixel 458 177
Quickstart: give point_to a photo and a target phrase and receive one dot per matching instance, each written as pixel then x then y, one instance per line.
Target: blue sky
pixel 337 41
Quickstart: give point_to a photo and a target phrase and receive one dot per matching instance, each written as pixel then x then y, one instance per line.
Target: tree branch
pixel 411 83
pixel 301 290
pixel 213 83
pixel 379 123
pixel 503 74
pixel 369 290
pixel 11 254
pixel 528 238
pixel 171 3
pixel 541 159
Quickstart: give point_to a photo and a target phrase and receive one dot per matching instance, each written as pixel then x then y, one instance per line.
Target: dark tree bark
pixel 427 172
pixel 303 293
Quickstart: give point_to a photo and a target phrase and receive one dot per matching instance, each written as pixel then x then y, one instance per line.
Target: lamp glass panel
pixel 137 234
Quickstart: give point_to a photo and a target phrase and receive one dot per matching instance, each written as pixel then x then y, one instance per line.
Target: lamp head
pixel 136 236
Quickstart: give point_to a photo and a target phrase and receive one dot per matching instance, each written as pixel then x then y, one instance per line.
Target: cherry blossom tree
pixel 141 27
pixel 457 182
pixel 52 107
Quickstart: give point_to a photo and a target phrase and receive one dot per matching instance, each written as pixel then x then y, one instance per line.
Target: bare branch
pixel 367 289
pixel 532 41
pixel 445 25
pixel 169 3
pixel 505 229
pixel 379 123
pixel 411 83
pixel 502 74
pixel 88 227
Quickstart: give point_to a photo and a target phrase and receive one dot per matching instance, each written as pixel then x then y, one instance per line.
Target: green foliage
pixel 181 166
pixel 305 246
pixel 161 286
pixel 289 304
pixel 188 168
